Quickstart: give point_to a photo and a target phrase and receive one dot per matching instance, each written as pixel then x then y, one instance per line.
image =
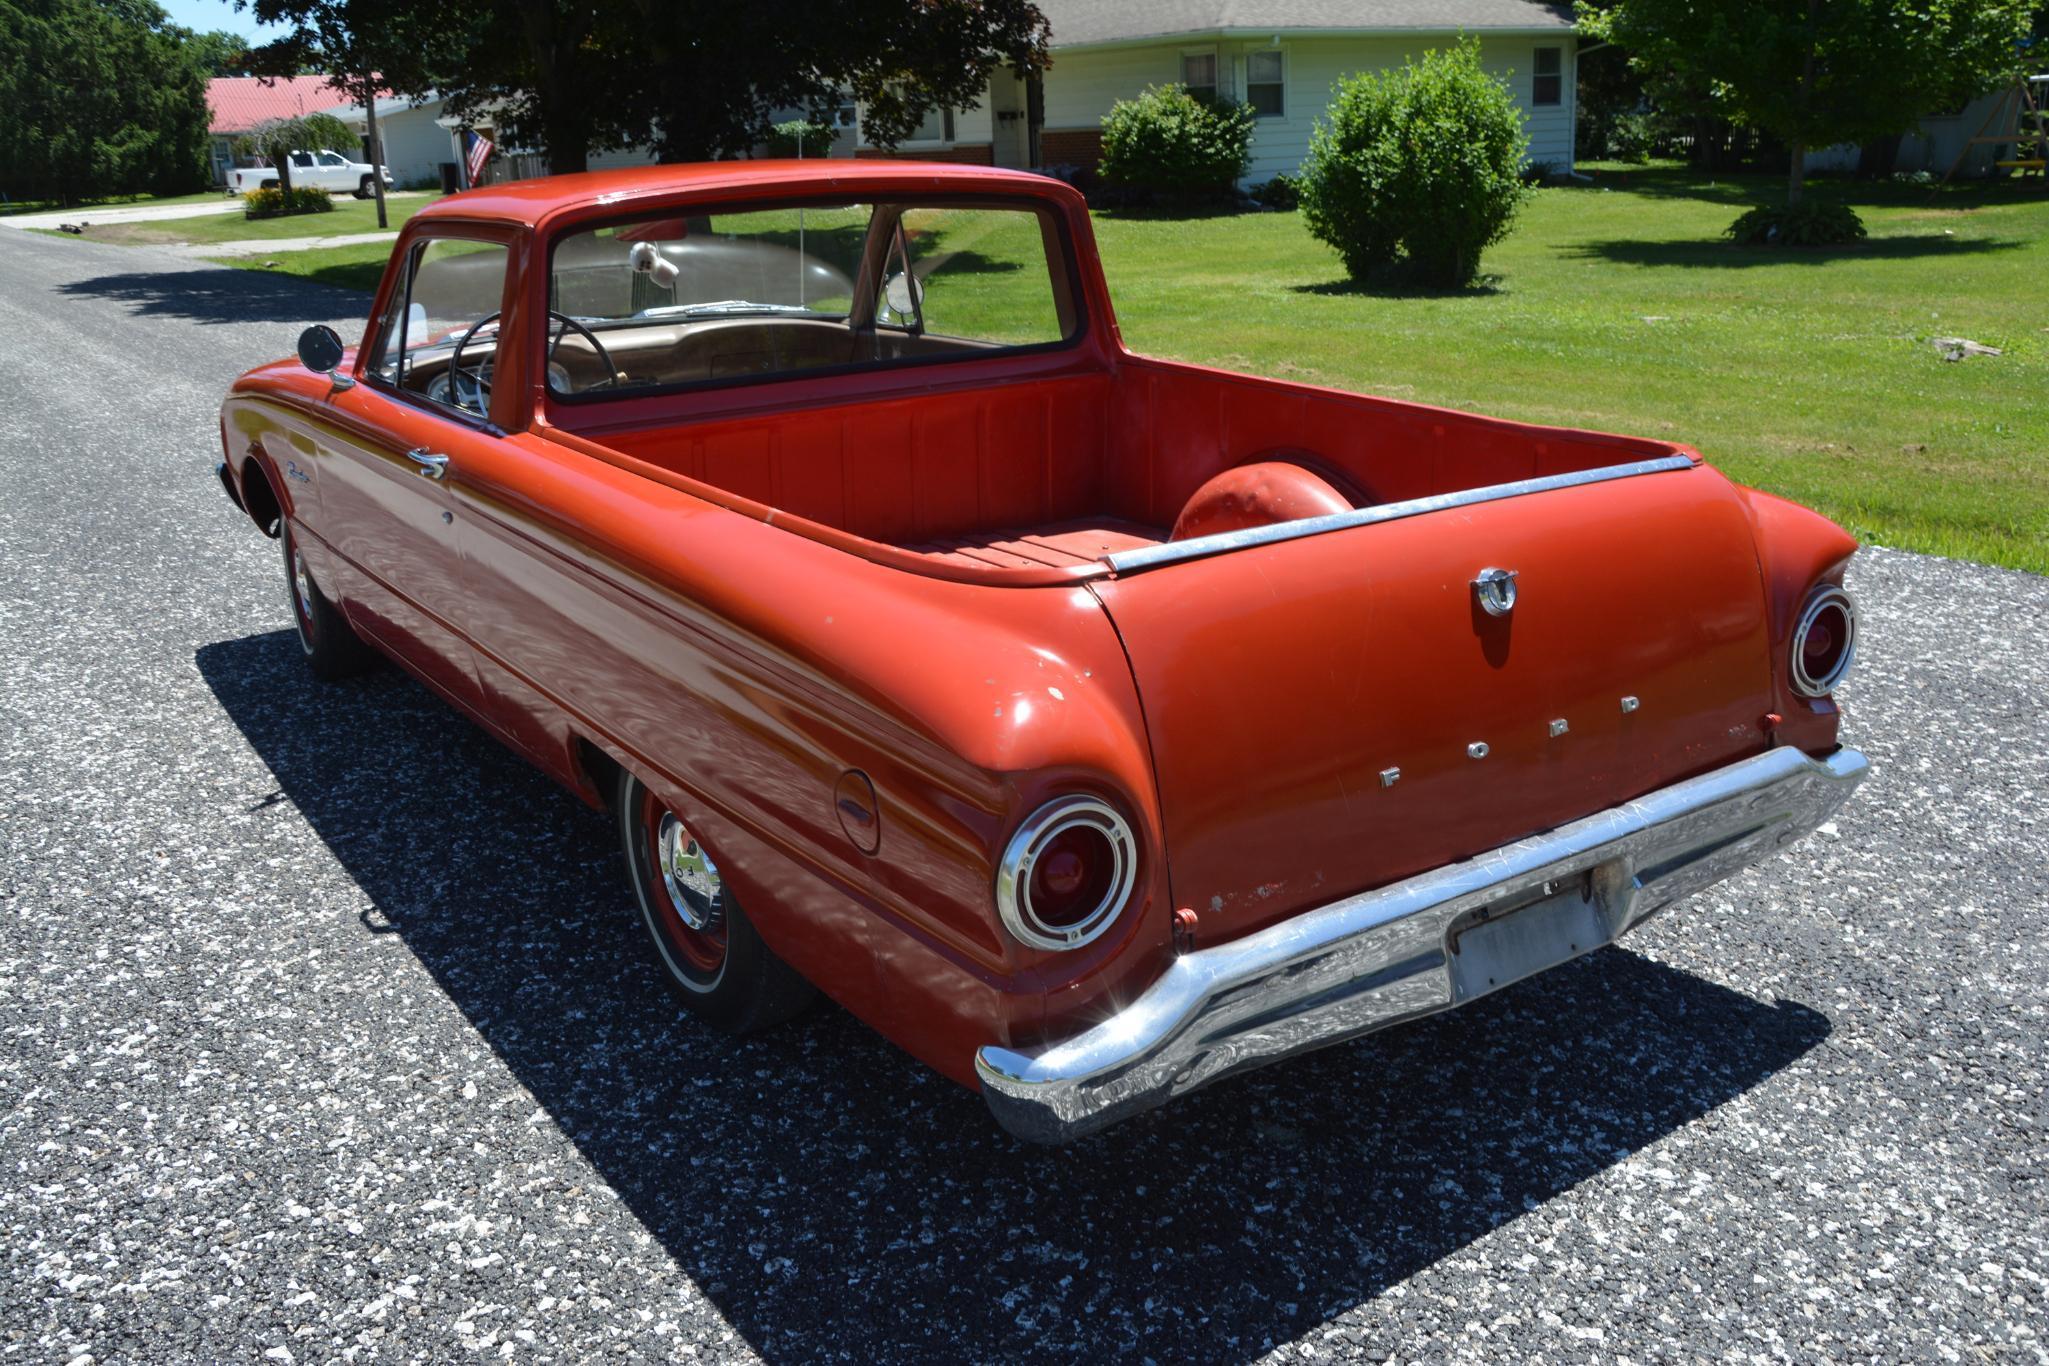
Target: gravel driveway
pixel 328 1033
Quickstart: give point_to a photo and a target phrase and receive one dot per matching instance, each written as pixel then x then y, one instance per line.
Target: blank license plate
pixel 1527 940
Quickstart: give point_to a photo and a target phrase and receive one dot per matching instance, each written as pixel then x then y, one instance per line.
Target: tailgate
pixel 1284 684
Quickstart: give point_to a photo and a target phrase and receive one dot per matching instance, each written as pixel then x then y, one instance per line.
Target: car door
pixel 334 172
pixel 391 467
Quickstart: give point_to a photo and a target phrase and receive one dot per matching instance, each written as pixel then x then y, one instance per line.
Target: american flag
pixel 478 151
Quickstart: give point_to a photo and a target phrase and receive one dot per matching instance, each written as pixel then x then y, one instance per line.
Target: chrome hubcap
pixel 302 584
pixel 689 875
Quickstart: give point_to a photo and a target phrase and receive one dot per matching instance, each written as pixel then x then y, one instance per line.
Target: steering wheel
pixel 476 376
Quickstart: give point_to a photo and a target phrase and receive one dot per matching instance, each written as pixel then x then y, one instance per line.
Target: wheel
pixel 269 183
pixel 707 947
pixel 333 649
pixel 364 189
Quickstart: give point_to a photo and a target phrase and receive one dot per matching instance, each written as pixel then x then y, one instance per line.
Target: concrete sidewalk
pixel 118 213
pixel 102 215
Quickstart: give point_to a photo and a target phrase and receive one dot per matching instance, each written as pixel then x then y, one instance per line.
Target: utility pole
pixel 376 146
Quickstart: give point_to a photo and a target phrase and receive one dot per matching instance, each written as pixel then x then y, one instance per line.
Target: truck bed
pixel 1022 481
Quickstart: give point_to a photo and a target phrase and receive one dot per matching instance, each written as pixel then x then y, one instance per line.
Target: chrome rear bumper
pixel 1437 940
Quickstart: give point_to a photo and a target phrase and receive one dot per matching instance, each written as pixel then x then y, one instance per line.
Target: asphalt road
pixel 328 1033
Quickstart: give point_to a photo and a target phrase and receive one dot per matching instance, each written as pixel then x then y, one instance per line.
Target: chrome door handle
pixel 432 464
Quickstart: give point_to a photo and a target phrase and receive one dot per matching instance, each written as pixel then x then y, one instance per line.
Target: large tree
pixel 692 79
pixel 365 48
pixel 1814 73
pixel 98 97
pixel 725 69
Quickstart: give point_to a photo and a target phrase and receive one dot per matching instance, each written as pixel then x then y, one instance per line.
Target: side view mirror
pixel 900 293
pixel 320 349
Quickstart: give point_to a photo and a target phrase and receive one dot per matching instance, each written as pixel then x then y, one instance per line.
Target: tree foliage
pixel 1417 170
pixel 98 98
pixel 1813 73
pixel 692 79
pixel 219 53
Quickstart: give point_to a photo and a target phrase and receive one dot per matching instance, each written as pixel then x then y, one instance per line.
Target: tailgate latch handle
pixel 1494 589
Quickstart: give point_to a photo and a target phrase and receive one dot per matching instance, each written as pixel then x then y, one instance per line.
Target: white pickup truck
pixel 323 170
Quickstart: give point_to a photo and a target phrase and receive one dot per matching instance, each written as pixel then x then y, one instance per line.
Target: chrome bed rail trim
pixel 1425 944
pixel 1200 547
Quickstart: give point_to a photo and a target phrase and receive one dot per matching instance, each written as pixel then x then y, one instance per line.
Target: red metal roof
pixel 239 103
pixel 532 201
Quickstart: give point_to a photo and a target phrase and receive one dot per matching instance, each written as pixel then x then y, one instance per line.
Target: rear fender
pixel 1797 549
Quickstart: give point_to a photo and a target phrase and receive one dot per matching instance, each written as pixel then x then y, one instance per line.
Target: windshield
pixel 659 303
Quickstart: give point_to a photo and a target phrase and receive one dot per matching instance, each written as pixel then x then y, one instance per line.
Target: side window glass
pixel 448 301
pixel 982 275
pixel 332 159
pixel 302 158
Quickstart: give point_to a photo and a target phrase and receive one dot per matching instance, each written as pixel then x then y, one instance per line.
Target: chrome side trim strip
pixel 1201 547
pixel 1433 941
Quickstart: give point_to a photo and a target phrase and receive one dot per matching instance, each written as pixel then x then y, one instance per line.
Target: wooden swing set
pixel 2021 116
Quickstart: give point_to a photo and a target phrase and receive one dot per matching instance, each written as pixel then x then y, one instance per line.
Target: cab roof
pixel 532 202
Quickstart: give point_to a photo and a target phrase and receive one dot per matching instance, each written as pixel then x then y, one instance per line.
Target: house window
pixel 937 127
pixel 1199 74
pixel 1264 85
pixel 1547 81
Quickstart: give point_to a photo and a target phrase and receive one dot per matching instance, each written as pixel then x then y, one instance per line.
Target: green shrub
pixel 1806 224
pixel 1632 138
pixel 800 137
pixel 1417 171
pixel 280 203
pixel 1171 143
pixel 1282 192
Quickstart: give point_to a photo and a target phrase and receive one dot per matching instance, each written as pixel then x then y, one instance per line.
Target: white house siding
pixel 1082 85
pixel 414 145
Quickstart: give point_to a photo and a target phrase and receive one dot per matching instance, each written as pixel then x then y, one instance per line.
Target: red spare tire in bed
pixel 1257 495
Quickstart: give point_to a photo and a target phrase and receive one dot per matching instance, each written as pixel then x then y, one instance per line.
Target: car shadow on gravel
pixel 837 1200
pixel 221 294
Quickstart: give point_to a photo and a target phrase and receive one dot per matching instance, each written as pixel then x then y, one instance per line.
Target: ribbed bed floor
pixel 1061 544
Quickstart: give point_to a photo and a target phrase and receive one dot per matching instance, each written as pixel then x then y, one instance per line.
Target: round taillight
pixel 1066 873
pixel 1824 642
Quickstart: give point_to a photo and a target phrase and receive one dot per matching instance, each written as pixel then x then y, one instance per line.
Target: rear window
pixel 661 303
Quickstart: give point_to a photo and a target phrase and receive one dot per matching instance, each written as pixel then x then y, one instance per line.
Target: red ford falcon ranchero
pixel 1093 726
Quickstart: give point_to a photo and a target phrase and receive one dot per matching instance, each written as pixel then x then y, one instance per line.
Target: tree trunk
pixel 565 125
pixel 282 164
pixel 1796 143
pixel 376 147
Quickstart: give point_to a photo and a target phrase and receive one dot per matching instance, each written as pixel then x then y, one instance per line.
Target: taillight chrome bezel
pixel 1033 836
pixel 1821 600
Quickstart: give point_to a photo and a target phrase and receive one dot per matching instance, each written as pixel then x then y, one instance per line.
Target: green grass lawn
pixel 1615 307
pixel 358 266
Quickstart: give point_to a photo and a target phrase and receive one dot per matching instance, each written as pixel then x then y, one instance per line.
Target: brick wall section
pixel 1071 147
pixel 962 153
